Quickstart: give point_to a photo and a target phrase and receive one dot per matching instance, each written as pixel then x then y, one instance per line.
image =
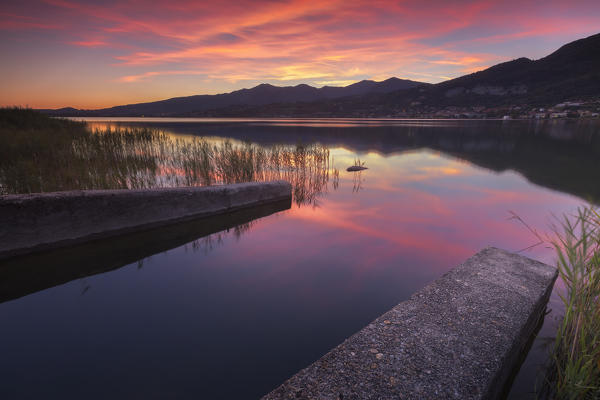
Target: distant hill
pixel 257 96
pixel 571 72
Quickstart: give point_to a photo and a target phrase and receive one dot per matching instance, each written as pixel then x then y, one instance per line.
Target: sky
pixel 101 53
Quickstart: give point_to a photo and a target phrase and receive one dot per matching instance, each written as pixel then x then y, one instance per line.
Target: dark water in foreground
pixel 232 306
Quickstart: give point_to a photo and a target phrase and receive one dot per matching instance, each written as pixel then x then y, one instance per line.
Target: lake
pixel 232 306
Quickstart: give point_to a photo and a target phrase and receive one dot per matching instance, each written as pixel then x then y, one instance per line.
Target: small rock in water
pixel 355 168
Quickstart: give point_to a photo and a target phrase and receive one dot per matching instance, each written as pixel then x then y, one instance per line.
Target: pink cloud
pixel 298 40
pixel 91 43
pixel 149 74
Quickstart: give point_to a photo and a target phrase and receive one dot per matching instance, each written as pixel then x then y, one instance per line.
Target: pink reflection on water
pixel 442 208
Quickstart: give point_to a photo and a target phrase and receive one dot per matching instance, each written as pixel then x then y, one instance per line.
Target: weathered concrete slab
pixel 34 222
pixel 458 338
pixel 23 275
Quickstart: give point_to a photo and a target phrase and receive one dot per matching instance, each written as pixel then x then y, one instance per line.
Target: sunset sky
pixel 91 54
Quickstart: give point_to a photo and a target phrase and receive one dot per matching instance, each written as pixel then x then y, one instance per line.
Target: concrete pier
pixel 35 222
pixel 23 275
pixel 461 337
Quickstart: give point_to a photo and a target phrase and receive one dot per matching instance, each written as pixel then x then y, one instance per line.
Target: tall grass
pixel 575 370
pixel 41 154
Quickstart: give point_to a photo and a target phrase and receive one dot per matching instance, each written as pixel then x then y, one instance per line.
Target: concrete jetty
pixel 35 222
pixel 461 337
pixel 30 273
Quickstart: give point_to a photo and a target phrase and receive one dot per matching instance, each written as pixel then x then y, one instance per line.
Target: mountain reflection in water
pixel 558 154
pixel 255 308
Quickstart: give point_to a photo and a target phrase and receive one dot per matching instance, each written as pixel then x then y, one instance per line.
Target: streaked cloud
pixel 239 44
pixel 150 74
pixel 90 43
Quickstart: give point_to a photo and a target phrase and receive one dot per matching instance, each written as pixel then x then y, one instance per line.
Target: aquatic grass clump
pixel 119 159
pixel 36 152
pixel 43 154
pixel 575 369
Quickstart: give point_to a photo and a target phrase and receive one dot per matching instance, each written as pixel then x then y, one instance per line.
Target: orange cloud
pixel 149 74
pixel 90 43
pixel 251 41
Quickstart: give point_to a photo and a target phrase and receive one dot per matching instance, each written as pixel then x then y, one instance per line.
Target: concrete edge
pixel 439 344
pixel 24 275
pixel 45 221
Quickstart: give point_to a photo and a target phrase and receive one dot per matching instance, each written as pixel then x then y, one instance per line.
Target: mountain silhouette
pixel 257 96
pixel 571 72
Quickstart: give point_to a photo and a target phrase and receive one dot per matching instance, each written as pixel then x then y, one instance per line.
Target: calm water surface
pixel 231 307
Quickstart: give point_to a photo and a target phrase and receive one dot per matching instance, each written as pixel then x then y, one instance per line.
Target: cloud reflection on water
pixel 260 306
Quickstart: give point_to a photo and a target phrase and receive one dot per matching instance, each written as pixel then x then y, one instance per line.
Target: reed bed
pixel 575 365
pixel 41 154
pixel 573 368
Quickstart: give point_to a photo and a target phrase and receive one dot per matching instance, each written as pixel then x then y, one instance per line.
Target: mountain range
pixel 260 95
pixel 571 72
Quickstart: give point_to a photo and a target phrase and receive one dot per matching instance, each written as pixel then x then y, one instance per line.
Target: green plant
pixel 575 371
pixel 43 154
pixel 574 364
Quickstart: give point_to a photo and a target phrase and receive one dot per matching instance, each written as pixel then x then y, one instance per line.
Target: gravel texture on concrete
pixel 42 221
pixel 461 337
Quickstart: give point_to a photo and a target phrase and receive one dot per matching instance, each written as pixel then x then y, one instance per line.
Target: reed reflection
pixel 557 154
pixel 137 158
